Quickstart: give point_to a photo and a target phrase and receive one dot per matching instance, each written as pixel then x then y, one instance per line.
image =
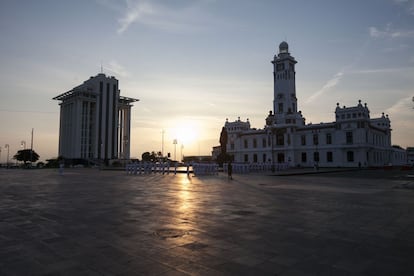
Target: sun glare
pixel 186 134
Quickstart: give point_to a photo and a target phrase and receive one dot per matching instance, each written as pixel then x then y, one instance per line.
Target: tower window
pixel 328 138
pixel 280 140
pixel 349 137
pixel 303 139
pixel 316 156
pixel 303 157
pixel 350 156
pixel 329 156
pixel 280 107
pixel 315 139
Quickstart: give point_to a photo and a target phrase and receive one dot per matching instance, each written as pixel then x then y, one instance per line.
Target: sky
pixel 194 63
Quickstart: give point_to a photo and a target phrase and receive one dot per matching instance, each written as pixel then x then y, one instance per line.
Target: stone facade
pixel 353 139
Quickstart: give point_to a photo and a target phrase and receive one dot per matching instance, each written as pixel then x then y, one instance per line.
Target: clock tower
pixel 284 98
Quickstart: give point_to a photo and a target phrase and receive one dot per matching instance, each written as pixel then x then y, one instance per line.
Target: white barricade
pixel 148 168
pixel 244 168
pixel 205 169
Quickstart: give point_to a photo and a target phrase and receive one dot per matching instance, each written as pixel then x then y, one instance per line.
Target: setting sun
pixel 186 132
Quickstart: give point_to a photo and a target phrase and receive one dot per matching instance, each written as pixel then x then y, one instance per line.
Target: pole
pixel 175 149
pixel 8 147
pixel 182 157
pixel 31 149
pixel 162 149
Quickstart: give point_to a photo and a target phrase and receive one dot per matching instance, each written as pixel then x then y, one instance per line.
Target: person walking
pixel 230 171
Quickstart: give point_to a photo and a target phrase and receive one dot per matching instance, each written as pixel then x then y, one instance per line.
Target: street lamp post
pixel 175 149
pixel 0 157
pixel 182 156
pixel 23 145
pixel 162 143
pixel 8 149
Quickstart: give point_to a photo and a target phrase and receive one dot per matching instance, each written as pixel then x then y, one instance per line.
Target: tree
pixel 223 140
pixel 26 155
pixel 149 157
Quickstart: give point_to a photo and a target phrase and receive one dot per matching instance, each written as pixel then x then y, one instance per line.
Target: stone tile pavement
pixel 91 222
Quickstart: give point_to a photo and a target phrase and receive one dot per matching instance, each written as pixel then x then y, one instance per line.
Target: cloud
pixel 401 114
pixel 328 85
pixel 335 80
pixel 403 107
pixel 135 11
pixel 171 16
pixel 380 70
pixel 407 4
pixel 389 32
pixel 117 69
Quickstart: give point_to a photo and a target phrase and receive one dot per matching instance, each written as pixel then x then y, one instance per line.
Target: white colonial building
pixel 95 121
pixel 353 139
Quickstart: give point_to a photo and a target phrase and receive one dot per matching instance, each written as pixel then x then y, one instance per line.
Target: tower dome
pixel 283 47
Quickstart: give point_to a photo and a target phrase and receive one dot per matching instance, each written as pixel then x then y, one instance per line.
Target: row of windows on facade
pixel 304 157
pixel 280 140
pixel 354 115
pixel 281 108
pixel 286 75
pixel 237 128
pixel 376 156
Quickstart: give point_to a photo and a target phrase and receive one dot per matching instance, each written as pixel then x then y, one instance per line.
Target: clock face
pixel 280 67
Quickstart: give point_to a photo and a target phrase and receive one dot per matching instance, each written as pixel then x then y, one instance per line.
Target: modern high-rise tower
pixel 95 120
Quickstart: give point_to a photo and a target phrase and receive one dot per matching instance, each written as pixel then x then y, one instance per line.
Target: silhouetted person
pixel 61 166
pixel 230 170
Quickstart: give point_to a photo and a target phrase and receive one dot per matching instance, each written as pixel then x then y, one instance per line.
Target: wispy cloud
pixel 335 80
pixel 390 32
pixel 380 70
pixel 328 85
pixel 402 106
pixel 117 69
pixel 163 15
pixel 135 11
pixel 401 114
pixel 407 4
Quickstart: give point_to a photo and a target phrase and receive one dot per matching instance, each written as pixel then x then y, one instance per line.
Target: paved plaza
pixel 92 222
